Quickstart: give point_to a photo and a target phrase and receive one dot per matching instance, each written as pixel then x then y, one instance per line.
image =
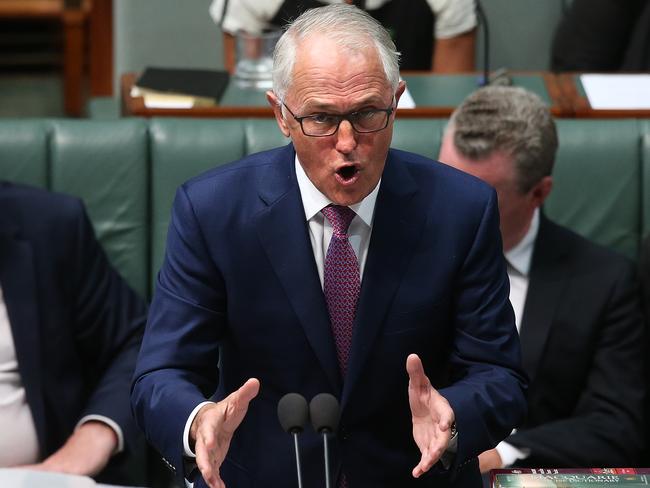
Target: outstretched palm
pixel 431 415
pixel 213 428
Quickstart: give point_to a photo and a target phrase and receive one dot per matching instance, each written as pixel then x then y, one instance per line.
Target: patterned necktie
pixel 341 281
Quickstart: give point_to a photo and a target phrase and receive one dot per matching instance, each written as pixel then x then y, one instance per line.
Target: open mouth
pixel 347 173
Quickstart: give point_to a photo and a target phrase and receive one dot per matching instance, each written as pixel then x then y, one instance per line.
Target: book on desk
pixel 564 478
pixel 180 87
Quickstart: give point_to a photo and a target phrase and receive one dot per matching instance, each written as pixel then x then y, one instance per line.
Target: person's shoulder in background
pixel 603 35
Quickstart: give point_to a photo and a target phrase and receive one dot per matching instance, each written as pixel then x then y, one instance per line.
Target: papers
pixel 163 100
pixel 617 92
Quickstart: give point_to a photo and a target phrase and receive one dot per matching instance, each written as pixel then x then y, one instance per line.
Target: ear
pixel 541 190
pixel 400 89
pixel 274 101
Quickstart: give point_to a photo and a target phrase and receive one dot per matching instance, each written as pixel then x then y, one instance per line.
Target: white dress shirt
pixel 18 441
pixel 519 259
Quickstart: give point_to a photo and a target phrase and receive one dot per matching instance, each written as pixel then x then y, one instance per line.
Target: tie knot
pixel 340 218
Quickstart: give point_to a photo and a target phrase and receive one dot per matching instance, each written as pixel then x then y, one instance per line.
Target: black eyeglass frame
pixel 388 111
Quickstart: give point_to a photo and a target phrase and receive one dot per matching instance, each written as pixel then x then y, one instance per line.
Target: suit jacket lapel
pixel 18 280
pixel 397 225
pixel 547 277
pixel 293 258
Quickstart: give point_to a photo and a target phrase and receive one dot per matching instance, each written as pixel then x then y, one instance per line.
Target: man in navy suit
pixel 338 265
pixel 70 329
pixel 576 303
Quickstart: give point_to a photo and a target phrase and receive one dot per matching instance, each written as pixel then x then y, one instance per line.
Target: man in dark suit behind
pixel 576 303
pixel 333 264
pixel 70 329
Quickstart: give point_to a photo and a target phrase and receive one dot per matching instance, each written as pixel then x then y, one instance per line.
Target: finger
pixel 429 457
pixel 415 370
pixel 248 390
pixel 443 410
pixel 206 458
pixel 236 405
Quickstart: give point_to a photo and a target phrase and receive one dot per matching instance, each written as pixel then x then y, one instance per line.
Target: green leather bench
pixel 127 170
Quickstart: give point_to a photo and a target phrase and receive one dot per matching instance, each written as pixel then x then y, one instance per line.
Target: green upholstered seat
pixel 598 182
pixel 127 171
pixel 105 164
pixel 24 151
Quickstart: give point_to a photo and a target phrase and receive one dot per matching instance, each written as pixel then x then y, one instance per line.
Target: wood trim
pixel 565 101
pixel 31 8
pixel 101 48
pixel 73 65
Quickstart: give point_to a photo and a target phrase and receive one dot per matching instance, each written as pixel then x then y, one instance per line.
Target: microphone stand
pixel 327 460
pixel 298 467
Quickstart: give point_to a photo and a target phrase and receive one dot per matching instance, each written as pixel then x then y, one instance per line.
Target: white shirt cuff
pixel 509 453
pixel 186 431
pixel 111 423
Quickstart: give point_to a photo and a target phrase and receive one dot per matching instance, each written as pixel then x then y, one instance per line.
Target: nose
pixel 346 138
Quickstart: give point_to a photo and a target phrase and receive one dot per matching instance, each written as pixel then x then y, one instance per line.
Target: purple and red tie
pixel 341 281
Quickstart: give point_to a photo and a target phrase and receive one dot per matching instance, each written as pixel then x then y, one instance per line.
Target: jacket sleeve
pixel 606 426
pixel 108 322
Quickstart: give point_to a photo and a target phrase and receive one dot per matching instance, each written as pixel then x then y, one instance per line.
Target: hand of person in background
pixel 431 414
pixel 86 452
pixel 213 428
pixel 489 460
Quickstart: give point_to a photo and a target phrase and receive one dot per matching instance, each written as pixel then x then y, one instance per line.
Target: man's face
pixel 498 170
pixel 345 166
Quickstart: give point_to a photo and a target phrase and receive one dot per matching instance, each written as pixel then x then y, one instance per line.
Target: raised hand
pixel 431 414
pixel 213 428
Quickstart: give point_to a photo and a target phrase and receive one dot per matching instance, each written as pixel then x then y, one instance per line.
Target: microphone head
pixel 324 412
pixel 293 412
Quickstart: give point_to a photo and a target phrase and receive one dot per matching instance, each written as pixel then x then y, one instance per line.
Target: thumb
pixel 246 392
pixel 237 404
pixel 415 370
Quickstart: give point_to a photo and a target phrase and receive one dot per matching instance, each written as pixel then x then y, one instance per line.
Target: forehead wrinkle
pixel 324 90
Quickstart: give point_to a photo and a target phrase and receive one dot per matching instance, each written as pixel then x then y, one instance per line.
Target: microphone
pixel 500 77
pixel 324 412
pixel 292 414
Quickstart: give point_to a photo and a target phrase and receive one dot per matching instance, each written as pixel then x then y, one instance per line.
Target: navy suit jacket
pixel 239 287
pixel 76 325
pixel 582 338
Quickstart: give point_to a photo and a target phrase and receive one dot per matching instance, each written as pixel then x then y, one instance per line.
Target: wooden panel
pixel 31 8
pixel 101 48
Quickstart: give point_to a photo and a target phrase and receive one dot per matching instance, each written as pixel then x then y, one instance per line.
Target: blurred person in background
pixel 450 24
pixel 576 303
pixel 70 330
pixel 602 36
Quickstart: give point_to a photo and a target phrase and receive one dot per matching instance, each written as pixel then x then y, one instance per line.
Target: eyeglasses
pixel 363 121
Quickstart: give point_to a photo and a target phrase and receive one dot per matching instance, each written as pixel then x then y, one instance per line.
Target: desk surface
pixel 434 96
pixel 569 84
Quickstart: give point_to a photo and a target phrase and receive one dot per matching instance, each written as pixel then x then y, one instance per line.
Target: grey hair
pixel 351 28
pixel 509 119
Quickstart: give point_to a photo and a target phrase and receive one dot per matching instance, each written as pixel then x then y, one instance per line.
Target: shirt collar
pixel 520 256
pixel 313 201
